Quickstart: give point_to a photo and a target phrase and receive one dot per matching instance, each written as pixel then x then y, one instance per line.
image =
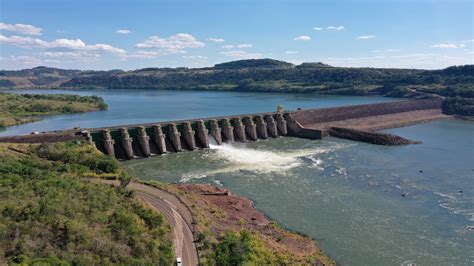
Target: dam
pixel 356 122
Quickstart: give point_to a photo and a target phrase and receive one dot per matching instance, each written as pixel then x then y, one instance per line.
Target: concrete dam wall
pixel 325 115
pixel 139 141
pixel 352 122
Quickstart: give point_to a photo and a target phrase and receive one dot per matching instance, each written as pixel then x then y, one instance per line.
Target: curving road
pixel 175 213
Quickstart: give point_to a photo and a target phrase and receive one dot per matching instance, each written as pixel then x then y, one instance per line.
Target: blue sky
pixel 135 34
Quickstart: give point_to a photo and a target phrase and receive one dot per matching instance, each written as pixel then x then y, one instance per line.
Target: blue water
pixel 141 106
pixel 365 204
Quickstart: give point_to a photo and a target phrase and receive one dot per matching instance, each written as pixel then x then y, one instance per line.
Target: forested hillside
pixel 50 214
pixel 259 75
pixel 262 75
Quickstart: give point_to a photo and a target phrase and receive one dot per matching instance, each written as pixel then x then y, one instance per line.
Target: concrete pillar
pixel 261 127
pixel 144 141
pixel 227 130
pixel 159 139
pixel 271 126
pixel 89 139
pixel 250 128
pixel 292 126
pixel 174 136
pixel 203 133
pixel 188 134
pixel 216 131
pixel 108 143
pixel 239 129
pixel 126 143
pixel 281 125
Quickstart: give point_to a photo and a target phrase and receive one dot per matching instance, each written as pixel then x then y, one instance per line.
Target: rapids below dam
pixel 365 204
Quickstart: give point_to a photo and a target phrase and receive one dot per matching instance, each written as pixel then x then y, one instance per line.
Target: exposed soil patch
pixel 379 122
pixel 219 210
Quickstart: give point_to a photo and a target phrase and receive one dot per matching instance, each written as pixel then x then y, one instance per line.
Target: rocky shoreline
pixel 369 137
pixel 216 211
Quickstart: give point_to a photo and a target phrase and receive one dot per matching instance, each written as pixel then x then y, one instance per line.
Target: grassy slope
pixel 49 213
pixel 18 109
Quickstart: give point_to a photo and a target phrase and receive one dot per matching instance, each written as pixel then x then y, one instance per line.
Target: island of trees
pixel 24 108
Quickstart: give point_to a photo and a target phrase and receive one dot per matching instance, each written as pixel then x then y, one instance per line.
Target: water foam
pixel 456 204
pixel 239 157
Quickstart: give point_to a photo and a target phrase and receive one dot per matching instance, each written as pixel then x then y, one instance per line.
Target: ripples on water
pixel 239 157
pixel 366 204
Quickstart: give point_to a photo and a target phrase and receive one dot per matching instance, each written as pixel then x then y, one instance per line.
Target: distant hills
pixel 263 75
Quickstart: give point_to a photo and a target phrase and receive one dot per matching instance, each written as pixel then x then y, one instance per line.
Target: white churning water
pixel 239 157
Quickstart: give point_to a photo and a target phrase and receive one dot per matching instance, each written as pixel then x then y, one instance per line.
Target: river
pixel 365 204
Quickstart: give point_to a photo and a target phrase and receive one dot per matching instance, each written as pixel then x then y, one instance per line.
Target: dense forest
pixel 51 214
pixel 260 75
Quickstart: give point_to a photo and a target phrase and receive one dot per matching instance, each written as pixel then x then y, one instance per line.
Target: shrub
pixel 458 106
pixel 50 215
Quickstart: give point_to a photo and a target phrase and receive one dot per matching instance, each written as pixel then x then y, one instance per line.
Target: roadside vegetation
pixel 230 231
pixel 23 108
pixel 50 214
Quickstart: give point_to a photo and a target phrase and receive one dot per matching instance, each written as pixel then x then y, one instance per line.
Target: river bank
pixel 223 231
pixel 216 212
pixel 17 109
pixel 347 195
pixel 365 204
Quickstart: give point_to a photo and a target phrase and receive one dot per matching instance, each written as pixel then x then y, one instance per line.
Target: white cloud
pixel 59 44
pixel 241 54
pixel 335 28
pixel 68 54
pixel 21 28
pixel 172 45
pixel 21 60
pixel 418 60
pixel 241 46
pixel 317 28
pixel 216 40
pixel 302 38
pixel 444 46
pixel 49 58
pixel 82 56
pixel 291 52
pixel 123 31
pixel 143 55
pixel 196 57
pixel 365 37
pixel 244 45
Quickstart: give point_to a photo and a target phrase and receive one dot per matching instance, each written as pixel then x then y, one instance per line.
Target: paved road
pixel 175 213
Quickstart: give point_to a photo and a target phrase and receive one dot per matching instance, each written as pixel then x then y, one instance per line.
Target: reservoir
pixel 141 106
pixel 365 204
